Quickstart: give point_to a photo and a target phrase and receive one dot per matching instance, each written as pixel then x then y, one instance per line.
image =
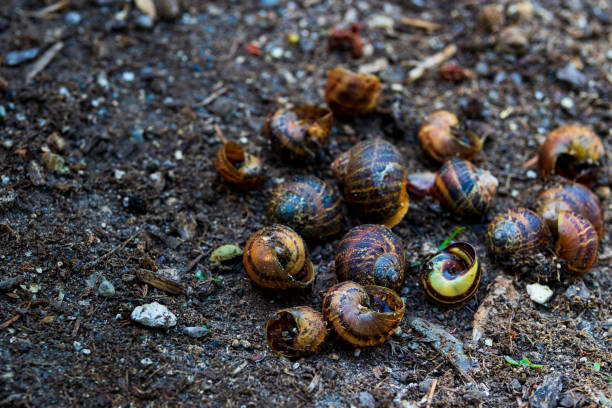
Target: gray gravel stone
pixel 154 315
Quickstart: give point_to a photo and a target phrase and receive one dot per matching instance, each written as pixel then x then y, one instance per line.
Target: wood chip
pixel 420 23
pixel 501 291
pixel 160 282
pixel 430 62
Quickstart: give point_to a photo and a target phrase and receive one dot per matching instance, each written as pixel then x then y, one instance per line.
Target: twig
pixel 420 23
pixel 213 96
pixel 430 62
pixel 193 263
pixel 109 253
pixel 220 133
pixel 43 61
pixel 431 392
pixel 45 11
pixel 531 162
pixel 16 317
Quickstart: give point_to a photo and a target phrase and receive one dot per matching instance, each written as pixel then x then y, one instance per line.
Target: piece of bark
pixel 446 344
pixel 501 292
pixel 160 281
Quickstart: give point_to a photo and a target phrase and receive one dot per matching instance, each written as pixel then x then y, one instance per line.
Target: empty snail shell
pixel 571 151
pixel 452 275
pixel 276 258
pixel 350 93
pixel 363 315
pixel 299 131
pixel 517 235
pixel 443 138
pixel 237 167
pixel 464 188
pixel 371 255
pixel 572 197
pixel 296 331
pixel 577 243
pixel 372 178
pixel 308 205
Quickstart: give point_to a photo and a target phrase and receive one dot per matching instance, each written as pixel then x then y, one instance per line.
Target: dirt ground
pixel 132 107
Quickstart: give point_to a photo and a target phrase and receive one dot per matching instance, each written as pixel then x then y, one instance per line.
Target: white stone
pixel 539 293
pixel 154 315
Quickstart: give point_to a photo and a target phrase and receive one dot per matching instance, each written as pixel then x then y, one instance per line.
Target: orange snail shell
pixel 237 167
pixel 443 139
pixel 363 315
pixel 572 151
pixel 577 243
pixel 572 197
pixel 296 331
pixel 276 258
pixel 350 93
pixel 373 179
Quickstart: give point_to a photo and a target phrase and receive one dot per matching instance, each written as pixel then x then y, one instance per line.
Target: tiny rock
pixel 512 40
pixel 154 315
pixel 571 75
pixel 106 289
pixel 13 58
pixel 524 9
pixel 540 294
pixel 603 192
pixel 366 400
pixel 196 331
pixel 492 17
pixel 35 173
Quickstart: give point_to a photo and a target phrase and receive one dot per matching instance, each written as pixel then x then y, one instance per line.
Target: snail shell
pixel 517 235
pixel 571 151
pixel 308 205
pixel 452 275
pixel 276 258
pixel 371 255
pixel 443 139
pixel 299 131
pixel 349 93
pixel 363 315
pixel 572 197
pixel 372 178
pixel 296 331
pixel 237 167
pixel 464 188
pixel 577 243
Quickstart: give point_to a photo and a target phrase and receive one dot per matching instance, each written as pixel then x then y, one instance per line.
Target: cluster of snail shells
pixel 569 213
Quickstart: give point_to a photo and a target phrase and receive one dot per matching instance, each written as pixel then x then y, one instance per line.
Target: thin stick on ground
pixel 428 26
pixel 110 253
pixel 430 62
pixel 431 392
pixel 531 162
pixel 220 133
pixel 43 61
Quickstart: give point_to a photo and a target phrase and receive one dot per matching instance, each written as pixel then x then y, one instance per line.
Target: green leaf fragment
pixel 596 367
pixel 198 275
pixel 226 253
pixel 450 238
pixel 512 361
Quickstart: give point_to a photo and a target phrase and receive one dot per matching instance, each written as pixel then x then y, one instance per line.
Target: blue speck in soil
pixel 214 344
pixel 196 68
pixel 269 3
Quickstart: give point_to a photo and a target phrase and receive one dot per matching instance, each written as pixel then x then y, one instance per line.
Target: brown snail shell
pixel 296 331
pixel 372 178
pixel 442 138
pixel 571 151
pixel 363 315
pixel 452 275
pixel 239 168
pixel 572 197
pixel 371 254
pixel 276 258
pixel 299 131
pixel 517 236
pixel 308 205
pixel 577 243
pixel 350 93
pixel 464 188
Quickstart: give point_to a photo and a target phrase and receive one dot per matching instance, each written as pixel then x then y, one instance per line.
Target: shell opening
pixel 282 331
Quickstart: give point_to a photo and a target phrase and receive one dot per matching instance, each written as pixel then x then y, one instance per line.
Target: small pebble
pixel 128 76
pixel 571 75
pixel 357 352
pixel 144 21
pixel 106 289
pixel 516 385
pixel 489 342
pixel 13 58
pixel 425 385
pixel 196 331
pixel 245 344
pixel 366 400
pixel 531 174
pixel 276 52
pixel 154 315
pixel 146 361
pixel 603 192
pixel 567 103
pixel 540 294
pixel 72 17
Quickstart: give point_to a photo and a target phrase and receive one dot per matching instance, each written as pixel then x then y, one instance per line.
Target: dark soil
pixel 137 109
